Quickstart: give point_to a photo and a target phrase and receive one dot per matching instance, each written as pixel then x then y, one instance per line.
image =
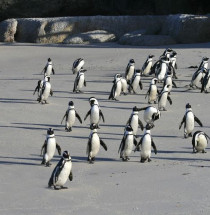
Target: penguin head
pixel 66 155
pixel 154 81
pixel 71 103
pixel 149 126
pixel 93 100
pixel 151 56
pixel 131 61
pixel 50 131
pixel 205 59
pixel 128 128
pixel 49 60
pixel 188 106
pixel 82 70
pixel 135 109
pixel 47 78
pixel 169 73
pixel 93 126
pixel 173 54
pixel 138 71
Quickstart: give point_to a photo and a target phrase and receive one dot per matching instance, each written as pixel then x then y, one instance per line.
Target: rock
pixel 98 36
pixel 137 39
pixel 188 28
pixel 8 30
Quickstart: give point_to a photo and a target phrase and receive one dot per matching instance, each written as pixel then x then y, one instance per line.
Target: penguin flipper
pixel 71 176
pixel 85 84
pixel 101 114
pixel 58 148
pixel 89 146
pixel 135 141
pixel 138 144
pixel 141 124
pixel 103 144
pixel 144 108
pixel 154 147
pixel 140 85
pixel 122 145
pixel 183 120
pixel 169 99
pixel 65 115
pixel 174 84
pixel 53 71
pixel 129 120
pixel 76 83
pixel 111 96
pixel 198 121
pixel 88 113
pixel 78 117
pixel 44 147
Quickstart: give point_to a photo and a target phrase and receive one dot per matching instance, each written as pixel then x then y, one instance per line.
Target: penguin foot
pixel 190 135
pixel 63 187
pixel 155 102
pixel 204 151
pixel 48 164
pixel 56 188
pixel 142 160
pixel 149 160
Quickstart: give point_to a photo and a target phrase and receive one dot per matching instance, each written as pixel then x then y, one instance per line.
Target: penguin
pixel 136 82
pixel 168 81
pixel 127 144
pixel 151 114
pixel 204 63
pixel 130 69
pixel 167 52
pixel 197 78
pixel 77 65
pixel 94 112
pixel 124 85
pixel 116 88
pixel 48 69
pixel 146 143
pixel 49 147
pixel 153 91
pixel 71 115
pixel 38 87
pixel 206 82
pixel 147 65
pixel 46 90
pixel 161 73
pixel 134 121
pixel 61 172
pixel 173 63
pixel 79 81
pixel 93 145
pixel 189 121
pixel 163 97
pixel 199 141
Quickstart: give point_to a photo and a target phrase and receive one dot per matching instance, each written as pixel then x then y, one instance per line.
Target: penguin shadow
pixel 200 166
pixel 19 101
pixel 172 152
pixel 97 92
pixel 182 159
pixel 18 79
pixel 167 136
pixel 97 159
pixel 9 160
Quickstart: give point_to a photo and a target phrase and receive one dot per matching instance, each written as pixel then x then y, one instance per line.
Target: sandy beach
pixel 175 182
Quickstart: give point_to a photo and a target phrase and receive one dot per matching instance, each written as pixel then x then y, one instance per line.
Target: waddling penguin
pixel 130 69
pixel 146 143
pixel 189 121
pixel 94 112
pixel 206 82
pixel 199 141
pixel 134 121
pixel 147 65
pixel 127 144
pixel 48 69
pixel 124 85
pixel 161 73
pixel 168 81
pixel 153 92
pixel 197 78
pixel 49 147
pixel 163 97
pixel 151 114
pixel 62 172
pixel 136 82
pixel 46 90
pixel 94 143
pixel 79 81
pixel 77 65
pixel 71 115
pixel 116 88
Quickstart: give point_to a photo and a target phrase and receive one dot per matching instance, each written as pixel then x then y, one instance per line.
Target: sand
pixel 175 182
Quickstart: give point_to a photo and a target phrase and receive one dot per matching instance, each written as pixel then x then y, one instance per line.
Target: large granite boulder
pixel 138 39
pixel 8 30
pixel 97 36
pixel 188 28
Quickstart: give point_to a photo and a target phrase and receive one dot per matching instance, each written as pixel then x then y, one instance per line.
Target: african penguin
pixel 168 81
pixel 206 82
pixel 199 141
pixel 197 78
pixel 48 69
pixel 71 115
pixel 161 73
pixel 94 143
pixel 146 143
pixel 124 85
pixel 135 82
pixel 49 147
pixel 62 172
pixel 189 121
pixel 163 97
pixel 116 88
pixel 153 91
pixel 77 65
pixel 127 144
pixel 79 81
pixel 147 65
pixel 130 69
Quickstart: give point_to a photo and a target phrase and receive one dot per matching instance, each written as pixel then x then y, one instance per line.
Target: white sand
pixel 175 182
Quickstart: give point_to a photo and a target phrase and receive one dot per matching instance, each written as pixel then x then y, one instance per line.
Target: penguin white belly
pixel 46 92
pixel 162 74
pixel 163 100
pixel 197 80
pixel 134 124
pixel 124 86
pixel 173 61
pixel 70 119
pixel 147 69
pixel 148 114
pixel 51 146
pixel 208 84
pixel 146 147
pixel 94 115
pixel 201 143
pixel 81 82
pixel 135 83
pixel 189 126
pixel 95 144
pixel 153 93
pixel 169 82
pixel 49 70
pixel 205 66
pixel 64 174
pixel 130 73
pixel 118 89
pixel 128 146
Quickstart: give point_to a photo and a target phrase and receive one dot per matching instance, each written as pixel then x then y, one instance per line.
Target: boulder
pixel 97 36
pixel 137 39
pixel 8 30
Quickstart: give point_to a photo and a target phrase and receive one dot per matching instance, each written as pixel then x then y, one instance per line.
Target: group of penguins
pixel 163 71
